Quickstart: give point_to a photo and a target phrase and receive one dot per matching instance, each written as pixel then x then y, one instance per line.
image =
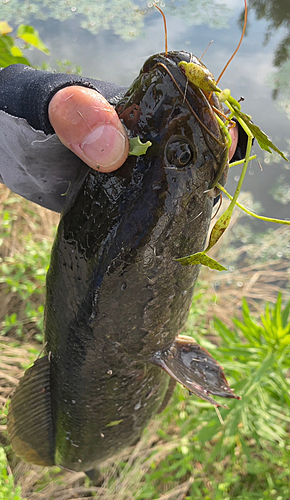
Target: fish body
pixel 115 297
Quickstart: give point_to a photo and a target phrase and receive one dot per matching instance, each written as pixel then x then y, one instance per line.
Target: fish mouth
pixel 205 115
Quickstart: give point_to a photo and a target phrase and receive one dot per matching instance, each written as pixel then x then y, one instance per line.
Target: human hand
pixel 234 133
pixel 89 126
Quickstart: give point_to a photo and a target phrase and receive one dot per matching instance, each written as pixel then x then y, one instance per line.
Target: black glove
pixel 34 163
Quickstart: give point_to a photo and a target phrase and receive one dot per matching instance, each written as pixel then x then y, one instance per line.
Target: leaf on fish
pixel 203 79
pixel 138 148
pixel 220 227
pixel 201 258
pixel 115 422
pixel 199 76
pixel 263 140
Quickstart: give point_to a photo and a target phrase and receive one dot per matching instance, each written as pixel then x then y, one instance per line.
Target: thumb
pixel 89 126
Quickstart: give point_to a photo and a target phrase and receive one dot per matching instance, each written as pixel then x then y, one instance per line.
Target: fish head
pixel 164 197
pixel 189 150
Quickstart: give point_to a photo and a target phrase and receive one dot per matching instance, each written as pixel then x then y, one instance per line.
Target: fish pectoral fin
pixel 29 421
pixel 192 366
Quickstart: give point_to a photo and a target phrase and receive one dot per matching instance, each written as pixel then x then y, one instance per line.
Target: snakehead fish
pixel 116 299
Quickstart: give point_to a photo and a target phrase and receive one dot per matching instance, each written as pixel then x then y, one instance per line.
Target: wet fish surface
pixel 116 299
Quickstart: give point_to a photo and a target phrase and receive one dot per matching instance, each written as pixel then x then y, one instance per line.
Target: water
pixel 111 39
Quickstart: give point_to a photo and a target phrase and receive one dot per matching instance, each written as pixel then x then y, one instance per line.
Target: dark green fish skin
pixel 115 295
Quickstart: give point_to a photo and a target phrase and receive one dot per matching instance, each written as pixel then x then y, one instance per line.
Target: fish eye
pixel 179 153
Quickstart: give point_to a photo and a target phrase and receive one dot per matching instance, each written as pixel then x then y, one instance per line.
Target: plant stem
pixel 240 162
pixel 249 212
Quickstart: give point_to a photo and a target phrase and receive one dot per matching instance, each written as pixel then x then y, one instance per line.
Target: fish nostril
pixel 179 153
pixel 185 157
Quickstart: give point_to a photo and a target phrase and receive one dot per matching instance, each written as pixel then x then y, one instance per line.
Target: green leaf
pixel 263 140
pixel 30 35
pixel 8 55
pixel 114 422
pixel 220 227
pixel 199 76
pixel 6 43
pixel 285 315
pixel 201 258
pixel 137 148
pixel 227 335
pixel 16 52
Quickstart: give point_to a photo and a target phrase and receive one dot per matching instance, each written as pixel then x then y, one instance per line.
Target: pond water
pixel 111 39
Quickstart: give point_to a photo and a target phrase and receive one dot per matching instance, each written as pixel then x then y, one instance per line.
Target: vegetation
pixel 203 79
pixel 25 246
pixel 7 489
pixel 10 50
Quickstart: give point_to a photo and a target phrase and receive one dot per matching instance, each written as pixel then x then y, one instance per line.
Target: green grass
pixel 8 491
pixel 25 243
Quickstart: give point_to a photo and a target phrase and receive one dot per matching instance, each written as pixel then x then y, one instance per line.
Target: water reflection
pixel 128 18
pixel 124 17
pixel 215 14
pixel 277 14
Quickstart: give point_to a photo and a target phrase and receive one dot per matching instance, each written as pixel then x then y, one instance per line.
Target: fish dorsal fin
pixel 192 366
pixel 30 425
